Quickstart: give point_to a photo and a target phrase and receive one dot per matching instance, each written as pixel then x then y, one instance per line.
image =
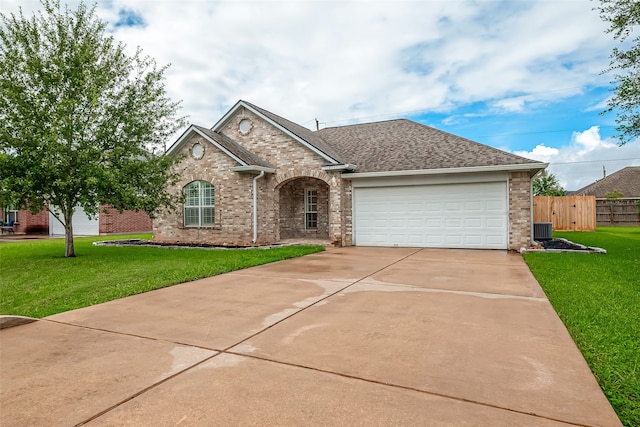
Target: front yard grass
pixel 598 299
pixel 37 281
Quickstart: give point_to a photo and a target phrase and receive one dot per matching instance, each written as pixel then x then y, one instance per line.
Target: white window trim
pixel 8 211
pixel 306 208
pixel 200 206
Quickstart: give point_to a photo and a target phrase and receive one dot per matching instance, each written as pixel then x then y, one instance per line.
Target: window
pixel 311 208
pixel 198 204
pixel 10 214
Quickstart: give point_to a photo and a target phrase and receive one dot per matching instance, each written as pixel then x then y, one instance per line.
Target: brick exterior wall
pixel 113 221
pixel 519 210
pixel 31 223
pixel 271 144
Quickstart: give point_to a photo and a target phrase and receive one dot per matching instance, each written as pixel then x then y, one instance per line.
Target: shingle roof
pixel 626 180
pixel 301 132
pixel 234 148
pixel 402 144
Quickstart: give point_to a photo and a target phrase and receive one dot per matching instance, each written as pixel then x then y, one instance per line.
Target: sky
pixel 524 76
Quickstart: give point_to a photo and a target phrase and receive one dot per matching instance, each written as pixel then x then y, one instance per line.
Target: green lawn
pixel 598 299
pixel 36 280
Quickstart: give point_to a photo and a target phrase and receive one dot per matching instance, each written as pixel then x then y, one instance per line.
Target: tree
pixel 623 16
pixel 83 123
pixel 614 195
pixel 547 185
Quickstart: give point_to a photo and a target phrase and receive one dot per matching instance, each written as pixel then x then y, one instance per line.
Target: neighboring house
pixel 109 221
pixel 626 181
pixel 623 210
pixel 257 178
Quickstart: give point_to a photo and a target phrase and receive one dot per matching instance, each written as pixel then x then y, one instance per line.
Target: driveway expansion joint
pixel 402 387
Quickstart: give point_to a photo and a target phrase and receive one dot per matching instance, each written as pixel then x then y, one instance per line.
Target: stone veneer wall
pixel 519 210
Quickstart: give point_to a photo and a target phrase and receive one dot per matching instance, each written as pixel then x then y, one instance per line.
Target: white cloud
pixel 582 161
pixel 351 59
pixel 346 60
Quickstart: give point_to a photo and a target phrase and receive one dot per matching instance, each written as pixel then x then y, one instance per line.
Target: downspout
pixel 255 206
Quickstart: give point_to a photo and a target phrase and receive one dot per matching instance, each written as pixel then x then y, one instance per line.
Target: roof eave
pixel 178 142
pixel 252 168
pixel 340 167
pixel 194 129
pixel 532 168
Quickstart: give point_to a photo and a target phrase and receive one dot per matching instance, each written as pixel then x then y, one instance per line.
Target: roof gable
pixel 232 149
pixel 626 180
pixel 299 133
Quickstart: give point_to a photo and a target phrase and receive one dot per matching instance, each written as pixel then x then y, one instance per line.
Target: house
pixel 624 207
pixel 257 178
pixel 626 181
pixel 109 221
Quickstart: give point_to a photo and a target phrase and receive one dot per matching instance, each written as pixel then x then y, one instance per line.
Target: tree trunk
pixel 69 250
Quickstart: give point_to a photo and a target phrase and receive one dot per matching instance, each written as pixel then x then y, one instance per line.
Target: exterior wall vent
pixel 542 230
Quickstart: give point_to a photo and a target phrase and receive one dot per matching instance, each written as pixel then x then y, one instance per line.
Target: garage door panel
pixel 473 206
pixel 494 205
pixel 453 223
pixel 433 223
pixel 473 223
pixel 450 215
pixel 474 240
pixel 496 223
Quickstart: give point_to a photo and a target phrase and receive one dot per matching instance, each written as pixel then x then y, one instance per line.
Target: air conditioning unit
pixel 542 230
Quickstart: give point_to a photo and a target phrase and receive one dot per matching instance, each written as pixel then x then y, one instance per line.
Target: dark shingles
pixel 397 145
pixel 626 180
pixel 234 148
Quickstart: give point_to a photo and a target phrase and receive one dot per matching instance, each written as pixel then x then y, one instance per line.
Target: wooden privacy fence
pixel 566 213
pixel 617 212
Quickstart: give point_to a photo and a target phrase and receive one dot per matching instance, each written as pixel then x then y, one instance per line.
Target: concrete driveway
pixel 351 336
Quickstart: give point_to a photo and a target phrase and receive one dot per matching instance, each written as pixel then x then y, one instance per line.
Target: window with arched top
pixel 199 204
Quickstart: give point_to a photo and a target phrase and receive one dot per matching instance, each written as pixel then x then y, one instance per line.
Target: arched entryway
pixel 303 209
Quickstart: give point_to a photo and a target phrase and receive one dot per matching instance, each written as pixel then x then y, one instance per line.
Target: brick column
pixel 519 210
pixel 335 209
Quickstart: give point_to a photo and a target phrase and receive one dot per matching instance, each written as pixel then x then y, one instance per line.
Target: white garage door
pixel 440 216
pixel 82 225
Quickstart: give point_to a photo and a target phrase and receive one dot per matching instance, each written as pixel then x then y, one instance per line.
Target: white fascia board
pixel 473 169
pixel 341 167
pixel 252 169
pixel 220 123
pixel 186 136
pixel 178 143
pixel 239 104
pixel 220 147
